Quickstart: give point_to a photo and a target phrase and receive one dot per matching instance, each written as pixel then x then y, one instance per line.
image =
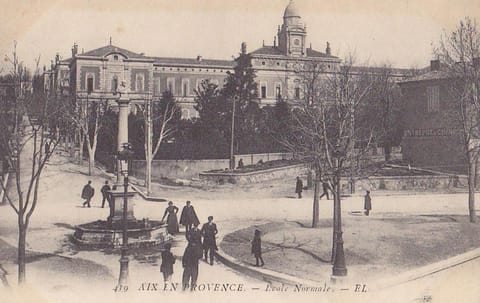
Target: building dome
pixel 291 10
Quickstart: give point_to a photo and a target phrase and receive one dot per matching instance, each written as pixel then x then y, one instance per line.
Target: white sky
pixel 399 32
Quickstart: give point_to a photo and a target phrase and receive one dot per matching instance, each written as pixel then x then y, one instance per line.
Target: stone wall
pixel 188 169
pixel 398 183
pixel 255 177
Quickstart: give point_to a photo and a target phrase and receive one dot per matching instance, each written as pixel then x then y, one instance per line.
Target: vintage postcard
pixel 236 151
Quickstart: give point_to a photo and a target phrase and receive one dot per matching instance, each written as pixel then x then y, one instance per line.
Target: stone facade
pixel 146 77
pixel 432 136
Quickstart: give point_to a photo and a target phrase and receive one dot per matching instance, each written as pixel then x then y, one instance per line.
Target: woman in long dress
pixel 172 222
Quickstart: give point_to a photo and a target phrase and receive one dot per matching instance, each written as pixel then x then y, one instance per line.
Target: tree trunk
pixel 80 150
pixel 91 163
pixel 471 188
pixel 336 215
pixel 148 147
pixel 316 212
pixel 22 236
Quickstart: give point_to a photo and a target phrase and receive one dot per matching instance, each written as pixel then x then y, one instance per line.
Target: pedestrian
pixel 105 193
pixel 194 235
pixel 240 163
pixel 188 217
pixel 171 214
pixel 190 266
pixel 209 231
pixel 167 263
pixel 299 187
pixel 87 193
pixel 368 203
pixel 257 248
pixel 326 188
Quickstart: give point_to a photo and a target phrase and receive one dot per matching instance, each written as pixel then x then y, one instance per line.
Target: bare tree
pixel 326 132
pixel 28 143
pixel 160 118
pixel 459 54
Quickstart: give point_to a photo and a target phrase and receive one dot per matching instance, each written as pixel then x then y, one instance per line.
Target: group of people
pixel 200 243
pixel 88 192
pixel 367 205
pixel 299 188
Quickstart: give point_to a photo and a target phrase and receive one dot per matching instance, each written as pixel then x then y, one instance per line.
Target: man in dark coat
pixel 326 188
pixel 188 217
pixel 105 193
pixel 87 193
pixel 209 231
pixel 368 203
pixel 190 266
pixel 299 187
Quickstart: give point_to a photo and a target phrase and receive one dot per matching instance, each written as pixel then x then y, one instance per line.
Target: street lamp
pixel 339 268
pixel 124 156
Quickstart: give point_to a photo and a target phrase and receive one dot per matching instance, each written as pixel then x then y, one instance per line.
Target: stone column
pixel 122 137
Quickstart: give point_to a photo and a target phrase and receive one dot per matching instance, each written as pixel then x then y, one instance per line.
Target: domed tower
pixel 291 37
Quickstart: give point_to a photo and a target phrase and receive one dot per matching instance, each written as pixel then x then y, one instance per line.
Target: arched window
pixel 139 83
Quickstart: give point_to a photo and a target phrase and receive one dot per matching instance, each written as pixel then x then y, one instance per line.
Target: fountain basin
pixel 103 234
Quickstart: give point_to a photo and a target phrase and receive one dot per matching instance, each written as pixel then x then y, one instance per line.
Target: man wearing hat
pixel 209 231
pixel 188 216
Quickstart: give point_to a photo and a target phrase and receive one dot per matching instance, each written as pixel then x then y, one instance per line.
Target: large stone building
pixel 433 135
pixel 95 74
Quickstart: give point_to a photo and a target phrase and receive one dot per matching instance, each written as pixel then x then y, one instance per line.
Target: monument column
pixel 122 137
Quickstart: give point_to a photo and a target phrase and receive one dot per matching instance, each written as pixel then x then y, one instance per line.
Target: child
pixel 167 263
pixel 257 247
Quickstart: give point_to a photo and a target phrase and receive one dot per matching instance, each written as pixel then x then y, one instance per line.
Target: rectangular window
pixel 297 92
pixel 89 84
pixel 263 91
pixel 278 90
pixel 156 86
pixel 433 99
pixel 171 85
pixel 185 87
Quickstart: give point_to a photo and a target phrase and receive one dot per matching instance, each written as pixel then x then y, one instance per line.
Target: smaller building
pixel 432 132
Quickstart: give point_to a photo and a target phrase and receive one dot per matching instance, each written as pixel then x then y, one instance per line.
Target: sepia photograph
pixel 239 151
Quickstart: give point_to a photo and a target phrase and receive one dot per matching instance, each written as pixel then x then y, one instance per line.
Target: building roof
pixel 291 10
pixel 275 51
pixel 103 51
pixel 193 61
pixel 428 76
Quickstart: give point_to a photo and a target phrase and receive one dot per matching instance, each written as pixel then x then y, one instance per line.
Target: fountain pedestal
pixel 116 214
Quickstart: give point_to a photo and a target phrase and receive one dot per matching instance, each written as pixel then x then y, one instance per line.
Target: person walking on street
pixel 188 217
pixel 209 232
pixel 190 266
pixel 368 203
pixel 171 214
pixel 87 193
pixel 299 187
pixel 257 248
pixel 167 263
pixel 326 188
pixel 105 194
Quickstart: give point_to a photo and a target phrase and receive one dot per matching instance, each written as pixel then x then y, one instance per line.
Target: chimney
pixel 263 43
pixel 476 62
pixel 244 48
pixel 275 41
pixel 328 51
pixel 434 65
pixel 74 50
pixel 310 45
pixel 57 58
pixel 199 58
